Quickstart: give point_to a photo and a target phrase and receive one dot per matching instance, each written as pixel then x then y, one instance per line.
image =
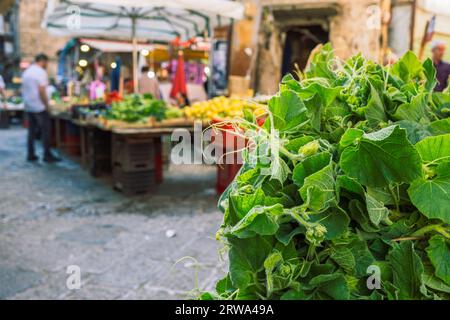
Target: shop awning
pixel 118 46
pixel 156 20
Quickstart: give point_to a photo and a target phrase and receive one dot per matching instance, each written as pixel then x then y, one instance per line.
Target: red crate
pixel 225 175
pixel 224 135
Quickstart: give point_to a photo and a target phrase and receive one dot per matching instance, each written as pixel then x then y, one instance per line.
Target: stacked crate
pixel 98 152
pixel 4 118
pixel 137 163
pixel 71 142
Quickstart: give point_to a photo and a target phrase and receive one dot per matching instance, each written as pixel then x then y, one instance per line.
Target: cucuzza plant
pixel 357 187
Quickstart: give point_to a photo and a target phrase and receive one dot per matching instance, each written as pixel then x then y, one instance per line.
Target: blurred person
pixel 2 88
pixel 442 68
pixel 34 92
pixel 148 84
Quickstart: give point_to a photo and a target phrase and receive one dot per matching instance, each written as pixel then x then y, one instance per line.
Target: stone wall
pixel 352 26
pixel 34 39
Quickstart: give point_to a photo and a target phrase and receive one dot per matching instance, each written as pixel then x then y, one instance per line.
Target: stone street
pixel 56 215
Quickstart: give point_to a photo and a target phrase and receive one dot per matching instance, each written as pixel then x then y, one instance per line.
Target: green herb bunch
pixel 345 189
pixel 137 108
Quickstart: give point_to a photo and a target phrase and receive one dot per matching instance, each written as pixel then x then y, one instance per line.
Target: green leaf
pixel 435 283
pixel 376 209
pixel 288 110
pixel 382 195
pixel 415 111
pixel 430 75
pixel 381 158
pixel 334 286
pixel 241 203
pixel 415 131
pixel 407 67
pixel 407 270
pixel 318 189
pixel 350 137
pixel 294 144
pixel 432 196
pixel 375 110
pixel 246 258
pixel 314 107
pixel 320 63
pixel 362 254
pixel 334 220
pixel 286 232
pixel 259 220
pixel 295 295
pixel 308 166
pixel 440 126
pixel 358 213
pixel 225 286
pixel 271 262
pixel 344 258
pixel 279 169
pixel 349 184
pixel 438 251
pixel 434 148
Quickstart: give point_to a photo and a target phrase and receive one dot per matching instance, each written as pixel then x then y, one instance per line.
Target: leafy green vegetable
pixel 354 185
pixel 439 254
pixel 138 108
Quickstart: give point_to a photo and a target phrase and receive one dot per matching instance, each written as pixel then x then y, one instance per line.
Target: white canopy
pixel 439 8
pixel 132 19
pixel 154 19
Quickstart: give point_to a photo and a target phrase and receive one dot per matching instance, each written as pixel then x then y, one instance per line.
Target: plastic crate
pixel 135 153
pixel 99 152
pixel 4 119
pixel 70 138
pixel 134 183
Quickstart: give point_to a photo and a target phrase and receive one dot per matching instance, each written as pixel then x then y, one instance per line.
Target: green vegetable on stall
pixel 138 108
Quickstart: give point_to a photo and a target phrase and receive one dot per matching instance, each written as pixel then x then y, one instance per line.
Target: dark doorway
pixel 298 45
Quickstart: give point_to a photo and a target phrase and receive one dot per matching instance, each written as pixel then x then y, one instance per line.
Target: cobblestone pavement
pixel 53 216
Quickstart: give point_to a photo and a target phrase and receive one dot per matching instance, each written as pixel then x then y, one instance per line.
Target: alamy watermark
pixel 74 20
pixel 73 281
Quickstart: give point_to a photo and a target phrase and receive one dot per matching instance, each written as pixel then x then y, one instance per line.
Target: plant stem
pixel 432 227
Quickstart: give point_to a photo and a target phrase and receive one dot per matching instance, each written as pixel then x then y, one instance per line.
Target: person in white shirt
pixel 34 93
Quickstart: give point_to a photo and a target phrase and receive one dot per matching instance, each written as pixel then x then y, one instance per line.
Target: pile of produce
pixel 15 100
pixel 221 108
pixel 139 108
pixel 345 190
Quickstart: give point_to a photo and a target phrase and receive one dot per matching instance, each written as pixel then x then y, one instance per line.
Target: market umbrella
pixel 179 81
pixel 158 20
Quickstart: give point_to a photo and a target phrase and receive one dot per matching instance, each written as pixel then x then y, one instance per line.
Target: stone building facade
pixel 33 38
pixel 350 25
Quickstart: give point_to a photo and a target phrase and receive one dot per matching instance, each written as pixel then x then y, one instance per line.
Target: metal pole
pixel 413 25
pixel 135 53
